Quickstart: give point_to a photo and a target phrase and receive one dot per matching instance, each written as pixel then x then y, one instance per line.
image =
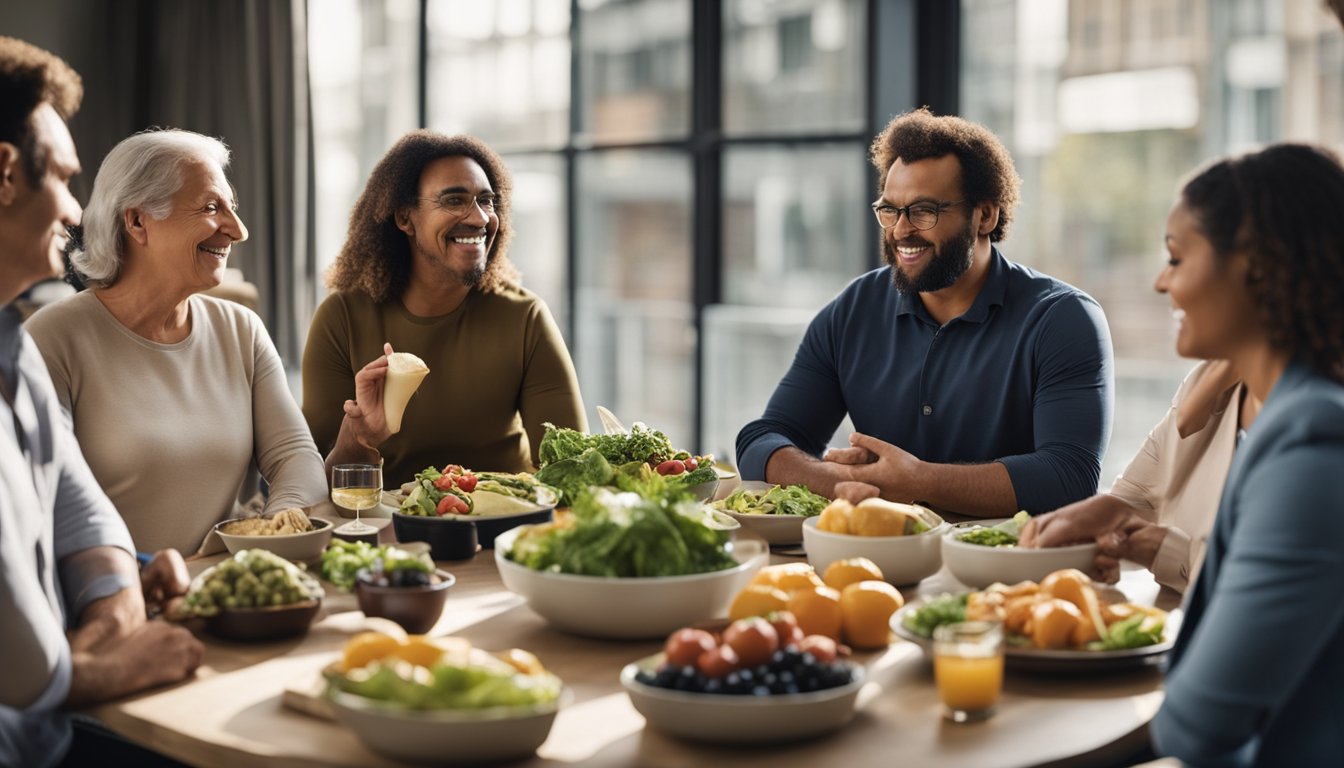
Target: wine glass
pixel 356 487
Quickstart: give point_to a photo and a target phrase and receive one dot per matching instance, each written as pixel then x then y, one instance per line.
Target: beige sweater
pixel 1177 482
pixel 170 430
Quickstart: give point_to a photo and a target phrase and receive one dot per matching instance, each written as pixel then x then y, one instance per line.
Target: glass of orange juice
pixel 968 668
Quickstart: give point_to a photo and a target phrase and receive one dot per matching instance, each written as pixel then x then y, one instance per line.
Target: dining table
pixel 260 704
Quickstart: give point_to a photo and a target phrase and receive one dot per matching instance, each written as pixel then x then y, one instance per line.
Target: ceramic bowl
pixel 724 719
pixel 903 559
pixel 416 609
pixel 979 566
pixel 446 735
pixel 249 625
pixel 295 547
pixel 629 608
pixel 777 530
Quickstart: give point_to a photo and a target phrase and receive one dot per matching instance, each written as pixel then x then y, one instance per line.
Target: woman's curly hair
pixel 987 172
pixel 1280 207
pixel 376 257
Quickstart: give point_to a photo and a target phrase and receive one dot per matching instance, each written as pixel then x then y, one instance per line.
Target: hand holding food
pixel 405 372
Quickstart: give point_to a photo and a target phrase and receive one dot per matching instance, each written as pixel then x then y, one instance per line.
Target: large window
pixel 1105 107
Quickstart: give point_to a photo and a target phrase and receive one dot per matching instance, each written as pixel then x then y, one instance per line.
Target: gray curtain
pixel 235 69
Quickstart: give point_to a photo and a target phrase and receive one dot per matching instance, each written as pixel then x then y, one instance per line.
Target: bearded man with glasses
pixel 425 270
pixel 976 385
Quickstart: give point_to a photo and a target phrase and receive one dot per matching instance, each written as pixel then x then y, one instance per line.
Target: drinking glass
pixel 968 668
pixel 356 487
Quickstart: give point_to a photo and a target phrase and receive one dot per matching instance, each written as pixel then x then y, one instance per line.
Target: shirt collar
pixel 991 294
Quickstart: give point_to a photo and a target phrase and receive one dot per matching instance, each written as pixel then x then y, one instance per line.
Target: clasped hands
pixel 873 467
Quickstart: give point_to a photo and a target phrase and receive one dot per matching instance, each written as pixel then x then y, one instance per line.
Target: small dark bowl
pixel 448 539
pixel 416 609
pixel 487 528
pixel 260 624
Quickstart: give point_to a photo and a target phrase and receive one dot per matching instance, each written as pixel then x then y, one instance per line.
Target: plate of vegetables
pixel 1065 623
pixel 776 513
pixel 456 508
pixel 572 461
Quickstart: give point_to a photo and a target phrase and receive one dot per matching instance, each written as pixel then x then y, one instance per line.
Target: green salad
pixel 648 526
pixel 1005 534
pixel 572 461
pixel 448 686
pixel 343 559
pixel 779 500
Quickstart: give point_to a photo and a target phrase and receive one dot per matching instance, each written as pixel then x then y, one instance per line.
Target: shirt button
pixel 928 409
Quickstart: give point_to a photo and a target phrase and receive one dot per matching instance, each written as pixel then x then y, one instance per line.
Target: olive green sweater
pixel 498 369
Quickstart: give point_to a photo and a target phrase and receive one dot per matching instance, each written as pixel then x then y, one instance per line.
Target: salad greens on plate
pixel 572 461
pixel 778 500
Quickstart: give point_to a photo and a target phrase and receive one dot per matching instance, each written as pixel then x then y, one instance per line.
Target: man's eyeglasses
pixel 921 215
pixel 459 204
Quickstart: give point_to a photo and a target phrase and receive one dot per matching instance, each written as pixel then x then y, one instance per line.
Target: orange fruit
pixel 788 576
pixel 835 517
pixel 758 600
pixel 420 650
pixel 818 611
pixel 367 647
pixel 866 608
pixel 842 573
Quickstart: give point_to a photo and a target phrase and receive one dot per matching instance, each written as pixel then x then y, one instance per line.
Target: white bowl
pixel 628 608
pixel 777 530
pixel 295 547
pixel 903 559
pixel 726 719
pixel 459 735
pixel 979 566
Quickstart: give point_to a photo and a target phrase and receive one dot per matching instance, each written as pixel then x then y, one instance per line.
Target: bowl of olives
pixel 410 596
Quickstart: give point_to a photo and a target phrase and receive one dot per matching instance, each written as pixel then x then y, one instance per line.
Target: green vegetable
pixel 1129 633
pixel 449 687
pixel 790 500
pixel 520 486
pixel 252 578
pixel 639 444
pixel 424 498
pixel 1005 534
pixel 572 476
pixel 343 559
pixel 946 609
pixel 651 527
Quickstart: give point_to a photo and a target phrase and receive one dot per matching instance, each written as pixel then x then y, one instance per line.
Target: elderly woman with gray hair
pixel 174 395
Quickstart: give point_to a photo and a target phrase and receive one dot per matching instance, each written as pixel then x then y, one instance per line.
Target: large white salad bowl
pixel 628 608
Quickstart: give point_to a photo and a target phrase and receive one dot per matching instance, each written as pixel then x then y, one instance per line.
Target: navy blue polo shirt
pixel 1025 377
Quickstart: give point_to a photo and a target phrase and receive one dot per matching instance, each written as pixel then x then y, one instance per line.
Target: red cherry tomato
pixel 821 647
pixel 443 482
pixel 719 661
pixel 672 467
pixel 467 483
pixel 451 505
pixel 753 639
pixel 685 646
pixel 691 464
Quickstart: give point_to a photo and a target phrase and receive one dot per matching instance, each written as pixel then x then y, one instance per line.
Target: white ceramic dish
pixel 979 566
pixel 628 608
pixel 295 547
pixel 777 530
pixel 725 719
pixel 448 735
pixel 903 559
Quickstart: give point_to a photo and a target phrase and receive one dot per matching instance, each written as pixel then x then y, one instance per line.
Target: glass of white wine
pixel 356 487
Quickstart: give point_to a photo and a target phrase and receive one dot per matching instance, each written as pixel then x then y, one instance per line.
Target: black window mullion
pixel 422 68
pixel 706 148
pixel 572 181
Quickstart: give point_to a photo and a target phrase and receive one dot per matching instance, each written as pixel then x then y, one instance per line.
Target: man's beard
pixel 945 266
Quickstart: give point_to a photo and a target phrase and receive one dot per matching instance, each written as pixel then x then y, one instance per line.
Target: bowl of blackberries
pixel 758 681
pixel 407 591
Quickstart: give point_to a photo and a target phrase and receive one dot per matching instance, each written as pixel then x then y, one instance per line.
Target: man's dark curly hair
pixel 30 76
pixel 376 257
pixel 987 172
pixel 1280 207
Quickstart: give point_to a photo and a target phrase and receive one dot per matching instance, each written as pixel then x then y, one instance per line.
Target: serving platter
pixel 1060 661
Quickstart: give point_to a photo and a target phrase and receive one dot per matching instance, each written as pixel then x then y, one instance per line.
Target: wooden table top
pixel 231 712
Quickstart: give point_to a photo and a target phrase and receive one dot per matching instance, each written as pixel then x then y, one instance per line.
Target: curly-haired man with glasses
pixel 975 385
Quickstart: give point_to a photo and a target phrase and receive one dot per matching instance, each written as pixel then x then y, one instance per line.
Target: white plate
pixel 1060 661
pixel 725 719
